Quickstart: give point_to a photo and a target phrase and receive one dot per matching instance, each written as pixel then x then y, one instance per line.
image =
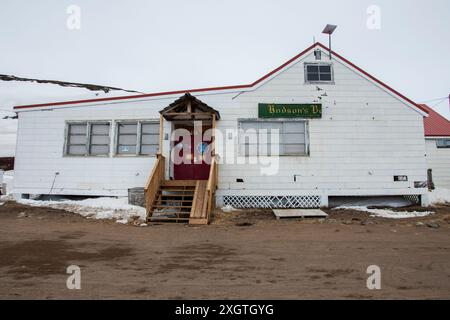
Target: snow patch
pixel 386 213
pixel 387 201
pixel 104 208
pixel 228 208
pixel 7 180
pixel 439 196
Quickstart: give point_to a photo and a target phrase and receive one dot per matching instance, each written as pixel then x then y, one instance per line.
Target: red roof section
pixel 435 124
pixel 244 86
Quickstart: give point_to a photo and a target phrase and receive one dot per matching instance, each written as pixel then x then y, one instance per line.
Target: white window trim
pixel 304 121
pixel 88 124
pixel 138 136
pixel 447 140
pixel 306 64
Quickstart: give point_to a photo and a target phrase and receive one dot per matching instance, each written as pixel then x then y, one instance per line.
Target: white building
pixel 437 135
pixel 342 133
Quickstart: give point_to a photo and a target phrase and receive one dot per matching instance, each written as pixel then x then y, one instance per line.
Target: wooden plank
pixel 181 207
pixel 179 183
pixel 154 182
pixel 299 213
pixel 198 221
pixel 177 196
pixel 178 189
pixel 213 148
pixel 197 211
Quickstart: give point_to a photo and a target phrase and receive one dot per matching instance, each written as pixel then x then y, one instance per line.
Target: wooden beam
pixel 189 114
pixel 161 133
pixel 213 148
pixel 189 107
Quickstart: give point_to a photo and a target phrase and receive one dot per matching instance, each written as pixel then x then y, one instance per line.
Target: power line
pixel 432 100
pixel 442 100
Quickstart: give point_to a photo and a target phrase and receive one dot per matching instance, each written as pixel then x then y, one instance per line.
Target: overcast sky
pixel 164 45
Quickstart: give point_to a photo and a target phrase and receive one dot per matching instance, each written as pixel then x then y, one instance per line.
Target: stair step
pixel 176 195
pixel 170 206
pixel 179 183
pixel 170 214
pixel 183 203
pixel 158 219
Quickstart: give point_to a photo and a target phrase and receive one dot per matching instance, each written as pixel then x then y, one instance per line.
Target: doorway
pixel 193 152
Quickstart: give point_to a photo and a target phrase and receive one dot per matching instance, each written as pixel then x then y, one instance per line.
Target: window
pixel 88 139
pixel 137 138
pixel 269 137
pixel 443 143
pixel 318 72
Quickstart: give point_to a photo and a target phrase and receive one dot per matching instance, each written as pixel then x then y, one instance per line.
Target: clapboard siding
pixel 439 161
pixel 365 137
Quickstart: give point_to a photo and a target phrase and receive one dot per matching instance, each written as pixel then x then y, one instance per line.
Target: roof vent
pixel 318 54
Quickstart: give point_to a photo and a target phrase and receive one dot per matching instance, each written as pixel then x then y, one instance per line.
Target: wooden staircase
pixel 173 202
pixel 180 201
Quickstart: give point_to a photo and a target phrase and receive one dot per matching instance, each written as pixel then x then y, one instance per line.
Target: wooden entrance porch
pixel 184 201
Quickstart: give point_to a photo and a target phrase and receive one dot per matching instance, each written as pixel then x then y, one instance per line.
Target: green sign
pixel 272 110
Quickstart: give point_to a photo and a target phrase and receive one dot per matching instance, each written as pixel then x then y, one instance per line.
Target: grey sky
pixel 165 45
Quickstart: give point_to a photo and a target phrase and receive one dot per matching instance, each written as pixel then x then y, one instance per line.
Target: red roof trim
pixel 435 125
pixel 129 97
pixel 245 86
pixel 375 79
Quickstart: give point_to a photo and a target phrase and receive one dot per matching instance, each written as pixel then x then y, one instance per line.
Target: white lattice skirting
pixel 272 202
pixel 413 198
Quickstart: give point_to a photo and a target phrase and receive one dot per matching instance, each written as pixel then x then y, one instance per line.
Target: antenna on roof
pixel 329 29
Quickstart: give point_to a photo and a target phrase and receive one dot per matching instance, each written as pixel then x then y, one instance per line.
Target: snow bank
pixel 386 213
pixel 228 209
pixel 6 181
pixel 439 196
pixel 387 201
pixel 99 208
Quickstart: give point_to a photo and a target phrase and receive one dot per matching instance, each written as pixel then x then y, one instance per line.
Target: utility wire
pixel 432 100
pixel 442 100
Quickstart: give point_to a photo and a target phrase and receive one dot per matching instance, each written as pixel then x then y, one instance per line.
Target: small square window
pixel 318 72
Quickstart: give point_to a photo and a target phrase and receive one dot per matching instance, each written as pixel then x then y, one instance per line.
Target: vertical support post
pixel 329 44
pixel 161 133
pixel 189 107
pixel 213 149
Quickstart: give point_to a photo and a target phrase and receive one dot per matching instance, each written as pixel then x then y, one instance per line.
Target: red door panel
pixel 192 168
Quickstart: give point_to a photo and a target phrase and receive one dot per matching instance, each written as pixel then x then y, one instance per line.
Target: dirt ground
pixel 241 255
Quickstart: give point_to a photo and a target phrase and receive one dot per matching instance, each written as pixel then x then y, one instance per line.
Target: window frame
pixel 447 143
pixel 282 120
pixel 88 137
pixel 139 123
pixel 319 64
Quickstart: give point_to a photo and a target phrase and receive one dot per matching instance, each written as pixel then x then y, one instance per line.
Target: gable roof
pixel 243 87
pixel 435 124
pixel 180 106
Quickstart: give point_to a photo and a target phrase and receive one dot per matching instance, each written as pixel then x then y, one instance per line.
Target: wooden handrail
pixel 154 181
pixel 211 187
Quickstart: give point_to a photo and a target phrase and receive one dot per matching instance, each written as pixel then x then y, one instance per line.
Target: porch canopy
pixel 189 107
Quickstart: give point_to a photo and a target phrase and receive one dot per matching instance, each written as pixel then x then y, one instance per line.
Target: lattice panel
pixel 413 197
pixel 272 202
